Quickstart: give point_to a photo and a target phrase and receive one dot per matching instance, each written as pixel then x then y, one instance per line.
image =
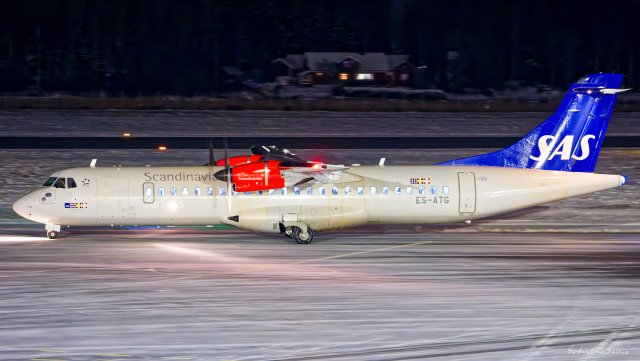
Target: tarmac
pixel 228 295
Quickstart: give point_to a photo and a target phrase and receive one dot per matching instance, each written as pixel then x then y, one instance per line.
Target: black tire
pixel 301 237
pixel 52 234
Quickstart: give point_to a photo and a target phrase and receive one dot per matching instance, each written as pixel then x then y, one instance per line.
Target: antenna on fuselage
pixel 93 162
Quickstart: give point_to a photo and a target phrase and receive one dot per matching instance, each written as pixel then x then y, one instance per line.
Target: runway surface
pixel 555 282
pixel 228 295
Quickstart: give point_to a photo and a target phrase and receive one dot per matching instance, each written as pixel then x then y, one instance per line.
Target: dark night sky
pixel 177 47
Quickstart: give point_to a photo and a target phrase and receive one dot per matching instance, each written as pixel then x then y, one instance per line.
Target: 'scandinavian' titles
pixel 179 177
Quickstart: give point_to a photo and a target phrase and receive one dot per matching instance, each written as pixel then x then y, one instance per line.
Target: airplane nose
pixel 21 207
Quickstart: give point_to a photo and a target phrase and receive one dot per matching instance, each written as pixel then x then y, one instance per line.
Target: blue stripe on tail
pixel 569 140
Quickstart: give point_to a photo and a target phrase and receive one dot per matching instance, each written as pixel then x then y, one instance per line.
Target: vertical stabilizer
pixel 569 140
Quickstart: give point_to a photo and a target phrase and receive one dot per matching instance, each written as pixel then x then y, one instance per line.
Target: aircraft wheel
pixel 52 234
pixel 302 238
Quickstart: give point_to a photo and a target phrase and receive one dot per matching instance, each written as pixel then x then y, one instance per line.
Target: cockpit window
pixel 60 183
pixel 71 183
pixel 49 182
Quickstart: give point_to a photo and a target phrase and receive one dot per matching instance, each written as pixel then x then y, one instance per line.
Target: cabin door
pixel 467 192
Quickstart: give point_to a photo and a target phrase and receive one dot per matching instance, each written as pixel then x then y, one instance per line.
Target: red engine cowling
pixel 257 176
pixel 243 159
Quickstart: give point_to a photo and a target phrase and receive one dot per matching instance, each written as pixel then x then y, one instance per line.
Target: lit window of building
pixel 364 76
pixel 344 76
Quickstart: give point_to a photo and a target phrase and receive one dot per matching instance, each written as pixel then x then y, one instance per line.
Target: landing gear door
pixel 467 192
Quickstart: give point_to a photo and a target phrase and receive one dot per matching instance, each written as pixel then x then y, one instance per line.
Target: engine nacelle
pixel 255 176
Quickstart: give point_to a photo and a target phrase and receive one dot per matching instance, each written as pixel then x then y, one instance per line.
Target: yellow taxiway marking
pixel 363 252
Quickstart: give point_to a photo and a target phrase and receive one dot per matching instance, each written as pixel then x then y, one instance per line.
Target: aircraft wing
pixel 324 173
pixel 271 152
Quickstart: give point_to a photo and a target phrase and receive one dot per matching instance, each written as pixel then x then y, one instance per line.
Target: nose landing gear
pixel 53 230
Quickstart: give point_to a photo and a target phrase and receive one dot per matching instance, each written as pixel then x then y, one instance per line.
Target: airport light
pixel 126 134
pixel 162 148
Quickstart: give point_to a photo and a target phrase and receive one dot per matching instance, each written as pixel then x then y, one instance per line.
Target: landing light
pixel 126 134
pixel 162 147
pixel 623 180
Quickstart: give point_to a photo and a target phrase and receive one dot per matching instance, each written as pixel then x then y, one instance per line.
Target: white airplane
pixel 274 191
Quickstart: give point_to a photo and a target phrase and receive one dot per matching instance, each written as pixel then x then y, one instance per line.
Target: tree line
pixel 147 47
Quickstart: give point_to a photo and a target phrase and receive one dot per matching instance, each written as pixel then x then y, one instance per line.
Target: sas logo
pixel 550 149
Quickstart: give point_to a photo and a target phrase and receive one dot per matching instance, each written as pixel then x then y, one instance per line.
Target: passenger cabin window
pixel 434 190
pixel 322 191
pixel 284 191
pixel 420 190
pixel 296 191
pixel 360 191
pixel 271 191
pixel 196 191
pixel 409 190
pixel 334 191
pixel 71 183
pixel 347 191
pixel 185 191
pixel 310 190
pixel 385 190
pixel 49 182
pixel 173 191
pixel 373 190
pixel 160 191
pixel 445 190
pixel 398 190
pixel 60 183
pixel 209 191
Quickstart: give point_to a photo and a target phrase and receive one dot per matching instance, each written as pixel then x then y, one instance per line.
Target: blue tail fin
pixel 570 139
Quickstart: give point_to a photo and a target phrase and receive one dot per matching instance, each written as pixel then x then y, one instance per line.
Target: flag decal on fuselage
pixel 76 205
pixel 419 180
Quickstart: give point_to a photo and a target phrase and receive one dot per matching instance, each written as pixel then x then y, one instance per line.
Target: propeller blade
pixel 210 144
pixel 227 171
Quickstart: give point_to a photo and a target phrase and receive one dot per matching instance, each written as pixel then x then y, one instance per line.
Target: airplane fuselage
pixel 364 194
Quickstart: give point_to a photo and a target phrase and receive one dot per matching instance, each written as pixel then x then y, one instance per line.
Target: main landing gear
pixel 53 230
pixel 301 233
pixel 302 237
